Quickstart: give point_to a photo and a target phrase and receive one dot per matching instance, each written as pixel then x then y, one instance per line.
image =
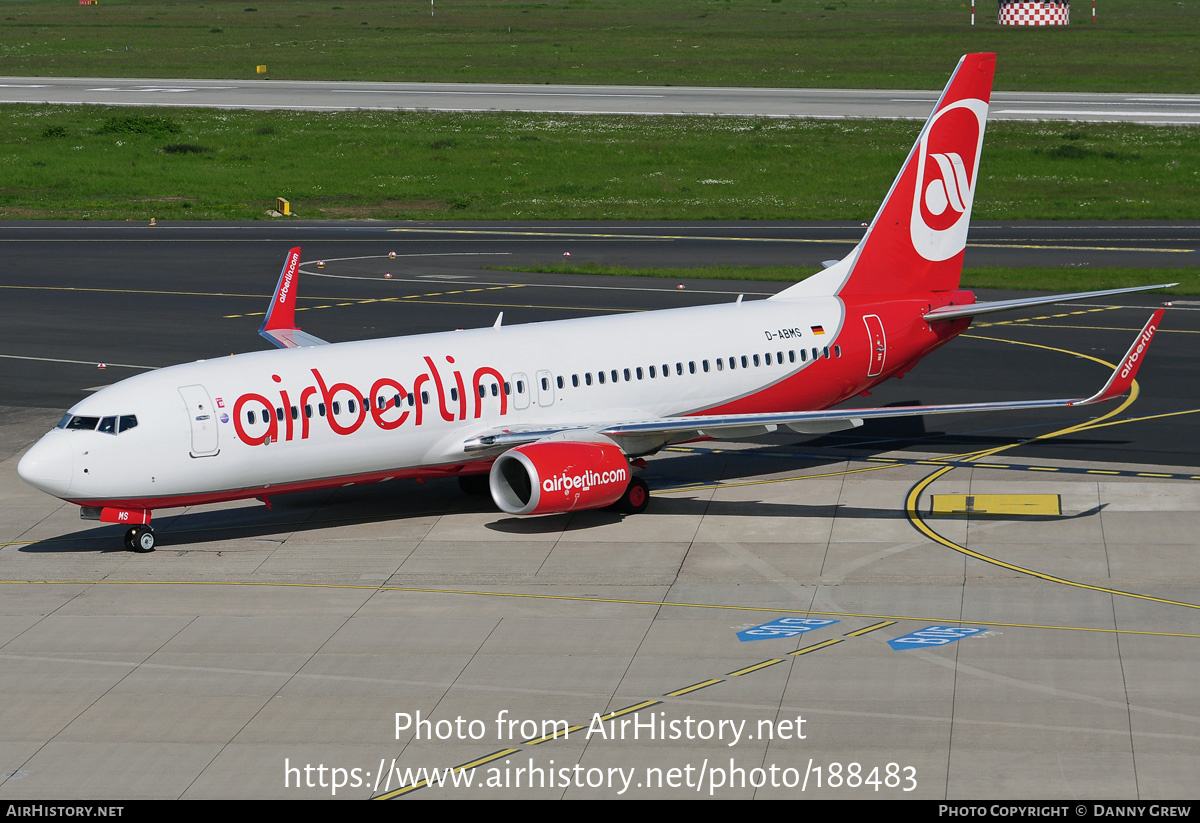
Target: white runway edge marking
pixel 77 362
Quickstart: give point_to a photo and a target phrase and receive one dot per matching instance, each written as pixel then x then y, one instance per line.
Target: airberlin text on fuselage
pixel 453 401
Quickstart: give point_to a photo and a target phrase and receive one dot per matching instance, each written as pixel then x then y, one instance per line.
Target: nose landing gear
pixel 140 539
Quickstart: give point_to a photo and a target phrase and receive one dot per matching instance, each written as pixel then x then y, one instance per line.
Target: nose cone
pixel 48 465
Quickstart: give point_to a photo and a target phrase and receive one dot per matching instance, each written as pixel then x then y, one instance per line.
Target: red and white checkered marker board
pixel 1035 14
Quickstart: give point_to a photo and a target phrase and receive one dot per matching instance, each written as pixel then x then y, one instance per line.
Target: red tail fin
pixel 915 243
pixel 917 239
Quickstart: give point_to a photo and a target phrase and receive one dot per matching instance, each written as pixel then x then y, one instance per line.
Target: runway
pixel 1158 109
pixel 258 645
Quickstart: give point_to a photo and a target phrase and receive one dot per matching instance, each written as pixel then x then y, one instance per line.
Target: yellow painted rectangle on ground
pixel 998 504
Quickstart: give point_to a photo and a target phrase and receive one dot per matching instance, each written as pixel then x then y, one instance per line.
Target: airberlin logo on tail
pixel 947 170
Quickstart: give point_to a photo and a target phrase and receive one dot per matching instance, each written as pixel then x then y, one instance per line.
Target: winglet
pixel 280 324
pixel 281 314
pixel 1122 377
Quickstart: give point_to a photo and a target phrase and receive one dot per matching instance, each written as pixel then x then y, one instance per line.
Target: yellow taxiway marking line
pixel 822 645
pixel 755 667
pixel 876 627
pixel 695 687
pixel 914 494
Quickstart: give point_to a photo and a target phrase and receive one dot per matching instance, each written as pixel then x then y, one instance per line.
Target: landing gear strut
pixel 140 539
pixel 635 499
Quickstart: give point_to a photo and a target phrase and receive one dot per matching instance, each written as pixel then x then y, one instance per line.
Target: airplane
pixel 555 416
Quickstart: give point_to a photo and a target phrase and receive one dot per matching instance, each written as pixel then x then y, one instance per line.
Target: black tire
pixel 635 499
pixel 140 539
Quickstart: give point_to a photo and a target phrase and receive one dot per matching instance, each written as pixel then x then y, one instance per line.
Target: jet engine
pixel 559 476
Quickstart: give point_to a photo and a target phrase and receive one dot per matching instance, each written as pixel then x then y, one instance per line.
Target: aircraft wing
pixel 279 326
pixel 641 435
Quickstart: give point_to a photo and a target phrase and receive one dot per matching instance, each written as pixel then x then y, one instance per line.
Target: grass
pixel 119 163
pixel 1136 45
pixel 989 277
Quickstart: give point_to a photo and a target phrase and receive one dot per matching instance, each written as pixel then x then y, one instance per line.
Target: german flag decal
pixel 818 329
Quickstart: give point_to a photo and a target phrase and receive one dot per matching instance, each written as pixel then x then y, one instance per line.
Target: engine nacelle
pixel 558 476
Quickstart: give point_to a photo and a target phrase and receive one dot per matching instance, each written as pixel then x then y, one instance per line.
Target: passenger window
pixel 837 351
pixel 627 377
pixel 587 378
pixel 652 373
pixel 679 368
pixel 745 362
pixel 295 413
pixel 495 390
pixel 767 356
pixel 756 363
pixel 779 357
pixel 424 398
pixel 453 395
pixel 321 409
pixel 575 380
pixel 561 382
pixel 816 353
pixel 351 407
pixel 720 364
pixel 250 417
pixel 308 410
pixel 804 355
pixel 732 363
pixel 507 388
pixel 482 390
pixel 279 412
pixel 792 356
pixel 600 377
pixel 614 375
pixel 337 406
pixel 691 366
pixel 520 387
pixel 108 425
pixel 825 351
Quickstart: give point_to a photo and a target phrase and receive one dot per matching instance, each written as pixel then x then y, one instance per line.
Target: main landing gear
pixel 635 499
pixel 140 539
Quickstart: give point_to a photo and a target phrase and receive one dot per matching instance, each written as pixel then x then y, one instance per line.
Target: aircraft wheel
pixel 636 497
pixel 140 539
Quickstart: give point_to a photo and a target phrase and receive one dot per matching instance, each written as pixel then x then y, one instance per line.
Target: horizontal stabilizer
pixel 973 309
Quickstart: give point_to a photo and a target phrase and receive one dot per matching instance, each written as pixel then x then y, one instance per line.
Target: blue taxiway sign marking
pixel 933 636
pixel 783 627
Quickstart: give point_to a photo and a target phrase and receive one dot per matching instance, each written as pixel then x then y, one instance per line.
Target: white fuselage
pixel 266 422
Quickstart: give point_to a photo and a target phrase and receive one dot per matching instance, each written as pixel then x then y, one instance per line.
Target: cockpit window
pixel 109 425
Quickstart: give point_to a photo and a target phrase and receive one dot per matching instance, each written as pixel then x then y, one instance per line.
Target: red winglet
pixel 1122 377
pixel 282 313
